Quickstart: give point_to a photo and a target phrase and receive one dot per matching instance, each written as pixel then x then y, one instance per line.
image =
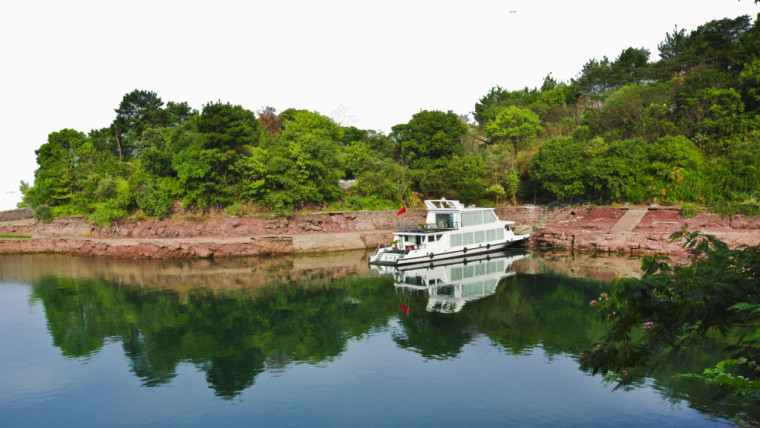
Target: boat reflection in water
pixel 452 284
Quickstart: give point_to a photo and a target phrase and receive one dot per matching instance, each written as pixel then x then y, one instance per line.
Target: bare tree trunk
pixel 118 143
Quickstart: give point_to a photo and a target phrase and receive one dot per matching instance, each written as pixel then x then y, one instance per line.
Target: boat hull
pixel 420 256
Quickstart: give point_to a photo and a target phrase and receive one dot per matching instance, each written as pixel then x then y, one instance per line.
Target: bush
pixel 155 200
pixel 689 210
pixel 237 209
pixel 107 213
pixel 747 208
pixel 359 203
pixel 43 213
pixel 677 306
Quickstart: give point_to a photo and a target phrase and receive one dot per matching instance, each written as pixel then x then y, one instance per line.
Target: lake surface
pixel 321 341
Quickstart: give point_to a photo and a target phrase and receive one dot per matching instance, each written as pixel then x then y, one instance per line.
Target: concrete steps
pixel 629 220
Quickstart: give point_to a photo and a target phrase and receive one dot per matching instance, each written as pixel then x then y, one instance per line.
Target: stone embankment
pixel 620 230
pixel 202 237
pixel 636 229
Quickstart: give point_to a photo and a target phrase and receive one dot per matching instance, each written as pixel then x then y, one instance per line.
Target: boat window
pixel 491 267
pixel 468 271
pixel 444 221
pixel 474 289
pixel 445 290
pixel 490 234
pixel 480 236
pixel 456 273
pixel 456 240
pixel 489 217
pixel 467 238
pixel 473 218
pixel 438 237
pixel 414 280
pixel 500 234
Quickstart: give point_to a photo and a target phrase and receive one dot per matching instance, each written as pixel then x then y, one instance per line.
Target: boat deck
pixel 422 228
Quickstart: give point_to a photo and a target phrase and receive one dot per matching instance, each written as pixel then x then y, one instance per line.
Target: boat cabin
pixel 445 217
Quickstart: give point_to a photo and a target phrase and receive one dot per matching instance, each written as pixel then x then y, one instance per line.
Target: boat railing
pixel 379 248
pixel 425 227
pixel 388 249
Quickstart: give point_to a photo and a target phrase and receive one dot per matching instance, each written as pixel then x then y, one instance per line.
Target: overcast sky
pixel 67 64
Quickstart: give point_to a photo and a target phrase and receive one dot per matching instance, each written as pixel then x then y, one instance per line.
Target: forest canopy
pixel 684 128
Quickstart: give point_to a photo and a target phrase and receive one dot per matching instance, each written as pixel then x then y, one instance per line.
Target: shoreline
pixel 599 230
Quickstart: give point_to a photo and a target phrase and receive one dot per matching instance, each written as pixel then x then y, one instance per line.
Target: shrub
pixel 155 200
pixel 677 306
pixel 107 212
pixel 237 209
pixel 43 213
pixel 689 210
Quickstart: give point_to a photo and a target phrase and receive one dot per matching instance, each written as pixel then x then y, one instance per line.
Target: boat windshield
pixel 444 221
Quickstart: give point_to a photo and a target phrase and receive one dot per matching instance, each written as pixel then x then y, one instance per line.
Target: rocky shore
pixel 598 229
pixel 583 229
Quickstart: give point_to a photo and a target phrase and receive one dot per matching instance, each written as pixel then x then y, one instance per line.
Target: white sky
pixel 67 64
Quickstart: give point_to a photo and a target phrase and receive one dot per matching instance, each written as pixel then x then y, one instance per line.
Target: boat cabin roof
pixel 446 205
pixel 443 204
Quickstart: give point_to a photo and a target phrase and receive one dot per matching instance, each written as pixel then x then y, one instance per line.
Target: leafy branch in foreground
pixel 676 306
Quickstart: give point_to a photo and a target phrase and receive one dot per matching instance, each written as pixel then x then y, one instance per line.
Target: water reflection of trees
pixel 550 312
pixel 526 311
pixel 229 336
pixel 306 311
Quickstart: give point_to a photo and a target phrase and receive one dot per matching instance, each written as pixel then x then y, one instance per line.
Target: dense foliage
pixel 677 306
pixel 683 128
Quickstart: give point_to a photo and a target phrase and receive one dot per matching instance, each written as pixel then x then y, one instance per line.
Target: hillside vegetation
pixel 681 129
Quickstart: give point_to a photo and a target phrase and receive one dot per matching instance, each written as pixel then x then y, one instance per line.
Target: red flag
pixel 401 211
pixel 404 308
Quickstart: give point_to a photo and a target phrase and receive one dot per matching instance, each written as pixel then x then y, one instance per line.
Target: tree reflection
pixel 234 333
pixel 230 336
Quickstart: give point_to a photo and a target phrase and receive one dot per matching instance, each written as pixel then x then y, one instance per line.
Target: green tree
pixel 625 110
pixel 228 127
pixel 137 110
pixel 497 191
pixel 596 77
pixel 723 116
pixel 617 172
pixel 498 98
pixel 749 85
pixel 430 135
pixel 513 125
pixel 302 165
pixel 719 43
pixel 156 158
pixel 631 66
pixel 558 167
pixel 56 181
pixel 201 174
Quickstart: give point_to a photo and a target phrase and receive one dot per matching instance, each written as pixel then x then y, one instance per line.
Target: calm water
pixel 319 341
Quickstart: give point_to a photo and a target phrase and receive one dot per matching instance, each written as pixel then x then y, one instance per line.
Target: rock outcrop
pixel 593 230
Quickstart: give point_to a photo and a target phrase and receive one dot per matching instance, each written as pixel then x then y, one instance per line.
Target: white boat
pixel 451 285
pixel 450 231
